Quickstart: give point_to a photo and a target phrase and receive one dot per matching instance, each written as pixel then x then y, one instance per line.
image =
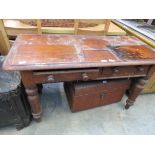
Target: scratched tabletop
pixel 39 52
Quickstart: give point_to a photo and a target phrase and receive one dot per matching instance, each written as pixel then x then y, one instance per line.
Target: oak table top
pixel 40 52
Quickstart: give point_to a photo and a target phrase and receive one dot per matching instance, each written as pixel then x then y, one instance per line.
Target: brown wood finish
pixel 135 90
pixel 150 86
pixel 69 75
pixel 40 52
pixel 86 95
pixel 59 58
pixel 32 94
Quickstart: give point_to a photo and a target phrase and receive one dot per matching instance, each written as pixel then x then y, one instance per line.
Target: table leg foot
pixel 37 116
pixel 134 91
pixel 38 120
pixel 128 104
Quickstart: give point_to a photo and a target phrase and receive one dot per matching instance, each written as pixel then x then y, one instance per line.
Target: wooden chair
pixel 92 30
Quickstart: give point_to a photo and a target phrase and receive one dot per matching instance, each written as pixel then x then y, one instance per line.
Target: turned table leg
pixel 34 100
pixel 32 94
pixel 135 90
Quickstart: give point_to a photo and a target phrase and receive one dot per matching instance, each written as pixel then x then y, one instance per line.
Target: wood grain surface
pixel 33 52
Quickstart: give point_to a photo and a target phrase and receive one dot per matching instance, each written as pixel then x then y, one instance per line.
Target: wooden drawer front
pixel 124 71
pixel 142 70
pixel 69 75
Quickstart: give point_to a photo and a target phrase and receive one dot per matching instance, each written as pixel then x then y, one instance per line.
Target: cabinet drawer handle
pixel 103 95
pixel 116 70
pixel 85 76
pixel 141 69
pixel 50 78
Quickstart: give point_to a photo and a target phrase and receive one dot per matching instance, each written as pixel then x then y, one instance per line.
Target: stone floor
pixel 110 119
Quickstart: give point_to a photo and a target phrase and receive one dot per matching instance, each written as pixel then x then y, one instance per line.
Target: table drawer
pixel 124 71
pixel 67 75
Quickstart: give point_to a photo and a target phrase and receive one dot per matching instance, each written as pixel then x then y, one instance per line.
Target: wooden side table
pixel 60 58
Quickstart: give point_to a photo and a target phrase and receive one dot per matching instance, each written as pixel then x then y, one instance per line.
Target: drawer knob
pixel 85 76
pixel 141 69
pixel 50 78
pixel 116 70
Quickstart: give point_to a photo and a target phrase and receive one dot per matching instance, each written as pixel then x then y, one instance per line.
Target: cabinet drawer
pixel 68 75
pixel 124 71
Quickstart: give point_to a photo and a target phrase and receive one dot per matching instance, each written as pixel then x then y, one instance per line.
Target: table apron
pixel 89 74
